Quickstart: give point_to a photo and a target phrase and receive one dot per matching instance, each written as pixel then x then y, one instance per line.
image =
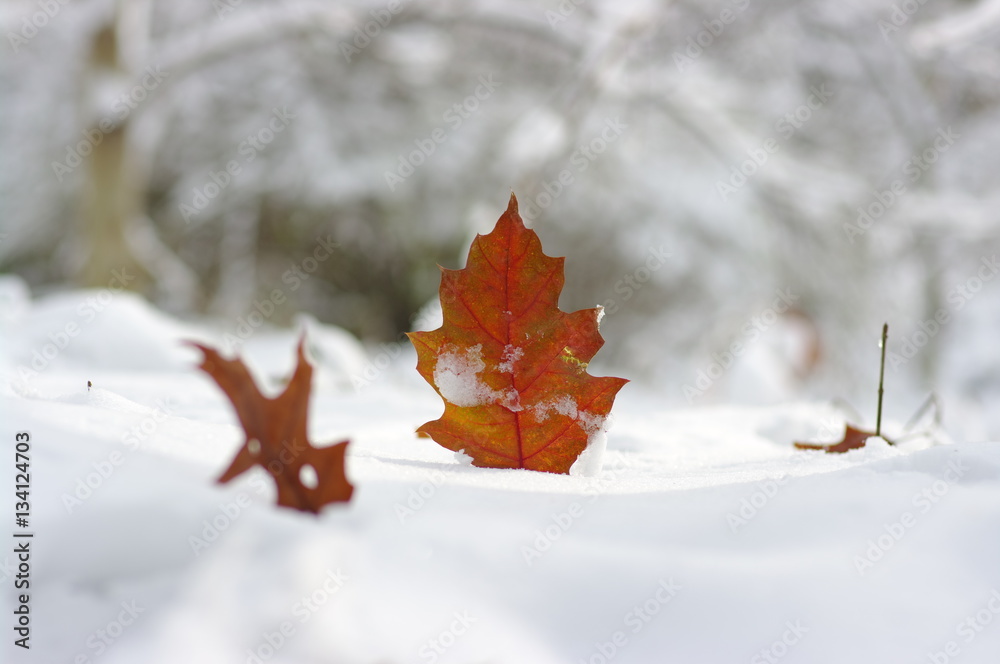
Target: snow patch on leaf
pixel 456 375
pixel 566 405
pixel 589 462
pixel 511 354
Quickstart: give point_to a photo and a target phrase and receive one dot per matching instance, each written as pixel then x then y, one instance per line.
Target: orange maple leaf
pixel 509 365
pixel 276 438
pixel 853 439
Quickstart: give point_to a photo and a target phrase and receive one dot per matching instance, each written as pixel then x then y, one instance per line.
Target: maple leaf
pixel 509 365
pixel 276 438
pixel 853 439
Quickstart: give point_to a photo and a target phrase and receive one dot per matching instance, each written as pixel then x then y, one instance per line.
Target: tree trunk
pixel 112 195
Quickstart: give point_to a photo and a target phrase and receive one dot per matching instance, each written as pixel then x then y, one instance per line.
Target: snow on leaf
pixel 456 376
pixel 307 477
pixel 511 354
pixel 565 405
pixel 509 365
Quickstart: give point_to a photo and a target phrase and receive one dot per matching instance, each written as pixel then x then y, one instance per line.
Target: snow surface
pixel 705 538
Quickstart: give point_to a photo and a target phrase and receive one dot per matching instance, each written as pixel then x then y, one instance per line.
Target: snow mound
pixel 100 329
pixel 696 518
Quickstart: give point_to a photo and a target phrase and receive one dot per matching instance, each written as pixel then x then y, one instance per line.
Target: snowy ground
pixel 706 538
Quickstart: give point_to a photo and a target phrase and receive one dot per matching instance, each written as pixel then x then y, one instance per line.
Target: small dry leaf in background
pixel 853 439
pixel 276 438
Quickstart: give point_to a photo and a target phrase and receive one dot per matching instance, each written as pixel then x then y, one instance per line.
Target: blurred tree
pixel 846 103
pixel 112 197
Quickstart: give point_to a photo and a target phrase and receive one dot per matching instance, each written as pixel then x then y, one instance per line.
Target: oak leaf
pixel 854 438
pixel 276 438
pixel 509 365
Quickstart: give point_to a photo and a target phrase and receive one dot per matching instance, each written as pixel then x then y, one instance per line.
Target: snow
pixel 588 464
pixel 591 460
pixel 705 537
pixel 567 406
pixel 456 375
pixel 511 354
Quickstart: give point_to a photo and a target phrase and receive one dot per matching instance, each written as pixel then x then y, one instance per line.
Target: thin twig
pixel 881 377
